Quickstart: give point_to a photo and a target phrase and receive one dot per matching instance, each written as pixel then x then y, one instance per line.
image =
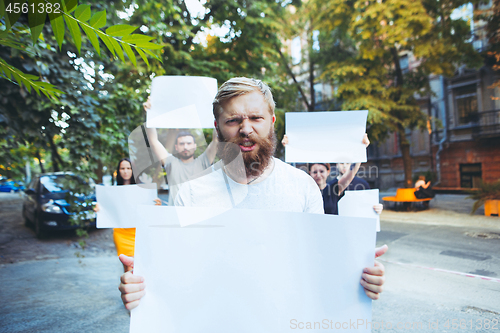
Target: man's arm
pixel 211 150
pixel 158 149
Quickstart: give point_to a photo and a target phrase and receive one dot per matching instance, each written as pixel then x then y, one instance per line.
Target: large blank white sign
pixel 325 137
pixel 252 271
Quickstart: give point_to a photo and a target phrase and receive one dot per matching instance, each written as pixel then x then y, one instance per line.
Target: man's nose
pixel 246 127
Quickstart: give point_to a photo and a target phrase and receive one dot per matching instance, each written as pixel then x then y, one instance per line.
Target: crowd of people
pixel 244 125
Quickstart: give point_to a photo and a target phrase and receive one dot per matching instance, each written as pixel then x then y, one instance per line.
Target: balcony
pixel 486 124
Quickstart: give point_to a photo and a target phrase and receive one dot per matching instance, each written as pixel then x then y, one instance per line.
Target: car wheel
pixel 39 232
pixel 25 217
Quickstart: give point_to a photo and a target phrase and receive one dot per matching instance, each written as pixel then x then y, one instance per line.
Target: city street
pixel 54 286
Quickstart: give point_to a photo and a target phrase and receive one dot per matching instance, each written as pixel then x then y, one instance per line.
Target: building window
pixel 470 175
pixel 466 102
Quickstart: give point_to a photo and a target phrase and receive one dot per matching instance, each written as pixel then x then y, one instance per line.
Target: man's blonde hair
pixel 239 86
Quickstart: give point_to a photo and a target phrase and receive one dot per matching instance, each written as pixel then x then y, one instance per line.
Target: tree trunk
pixel 404 146
pixel 99 172
pixel 289 70
pixel 57 161
pixel 312 105
pixel 97 77
pixel 37 154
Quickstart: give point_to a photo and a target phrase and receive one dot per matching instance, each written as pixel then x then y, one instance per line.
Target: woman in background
pixel 423 190
pixel 124 238
pixel 334 190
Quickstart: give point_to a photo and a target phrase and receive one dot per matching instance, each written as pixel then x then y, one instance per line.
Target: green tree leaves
pixel 60 16
pixel 29 81
pixel 120 30
pixel 98 20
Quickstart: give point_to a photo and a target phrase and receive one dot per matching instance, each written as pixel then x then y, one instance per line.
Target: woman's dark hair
pixel 326 165
pixel 119 179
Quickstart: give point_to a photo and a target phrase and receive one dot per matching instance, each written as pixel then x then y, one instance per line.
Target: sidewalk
pixel 445 209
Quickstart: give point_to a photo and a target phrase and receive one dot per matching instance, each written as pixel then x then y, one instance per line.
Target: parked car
pixel 45 203
pixel 8 185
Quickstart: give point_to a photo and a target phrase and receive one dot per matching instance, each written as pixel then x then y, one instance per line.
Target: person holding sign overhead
pixel 181 165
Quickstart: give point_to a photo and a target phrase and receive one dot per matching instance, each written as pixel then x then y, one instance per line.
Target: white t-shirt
pixel 285 189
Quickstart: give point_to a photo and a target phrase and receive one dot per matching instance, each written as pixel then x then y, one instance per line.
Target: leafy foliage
pixel 494 40
pixel 81 19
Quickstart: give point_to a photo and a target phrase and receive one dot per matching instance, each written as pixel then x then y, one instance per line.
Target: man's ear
pixel 215 123
pixel 274 118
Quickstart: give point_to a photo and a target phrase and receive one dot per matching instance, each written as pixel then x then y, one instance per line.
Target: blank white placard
pixel 182 102
pixel 118 204
pixel 325 137
pixel 252 271
pixel 360 204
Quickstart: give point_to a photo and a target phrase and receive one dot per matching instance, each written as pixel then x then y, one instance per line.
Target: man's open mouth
pixel 247 146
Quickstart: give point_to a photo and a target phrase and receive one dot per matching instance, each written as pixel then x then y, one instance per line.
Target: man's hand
pixel 131 286
pixel 147 105
pixel 378 208
pixel 374 277
pixel 284 142
pixel 365 140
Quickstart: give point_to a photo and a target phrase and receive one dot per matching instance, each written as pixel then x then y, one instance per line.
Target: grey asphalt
pixel 80 294
pixel 63 295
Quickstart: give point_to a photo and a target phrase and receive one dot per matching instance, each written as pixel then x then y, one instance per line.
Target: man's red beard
pixel 256 160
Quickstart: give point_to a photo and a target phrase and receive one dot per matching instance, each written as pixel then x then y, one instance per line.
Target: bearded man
pixel 248 176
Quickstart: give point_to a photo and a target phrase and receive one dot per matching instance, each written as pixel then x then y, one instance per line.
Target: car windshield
pixel 59 183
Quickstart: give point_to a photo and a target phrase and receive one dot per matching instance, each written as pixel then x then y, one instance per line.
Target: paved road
pixel 421 295
pixel 48 288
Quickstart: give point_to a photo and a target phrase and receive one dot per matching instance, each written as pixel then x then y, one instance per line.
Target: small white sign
pixel 325 137
pixel 118 204
pixel 360 204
